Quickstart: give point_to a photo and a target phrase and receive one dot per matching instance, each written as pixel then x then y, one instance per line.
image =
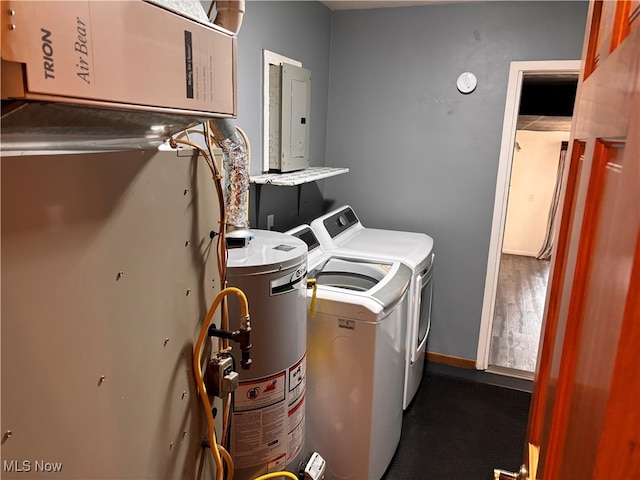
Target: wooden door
pixel 585 415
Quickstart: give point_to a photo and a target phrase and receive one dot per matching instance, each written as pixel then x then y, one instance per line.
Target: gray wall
pixel 422 156
pixel 301 31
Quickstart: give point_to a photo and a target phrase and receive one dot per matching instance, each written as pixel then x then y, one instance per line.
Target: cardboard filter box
pixel 130 55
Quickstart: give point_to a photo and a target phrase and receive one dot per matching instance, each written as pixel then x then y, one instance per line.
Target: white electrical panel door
pixel 296 104
pixel 299 132
pixel 289 106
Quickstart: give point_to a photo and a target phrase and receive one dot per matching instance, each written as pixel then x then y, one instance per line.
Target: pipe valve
pixel 242 336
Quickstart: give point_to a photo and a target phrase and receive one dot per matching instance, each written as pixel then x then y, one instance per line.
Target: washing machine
pixel 340 232
pixel 355 360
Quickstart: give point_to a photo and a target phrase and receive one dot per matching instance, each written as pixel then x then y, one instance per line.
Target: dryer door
pixel 424 291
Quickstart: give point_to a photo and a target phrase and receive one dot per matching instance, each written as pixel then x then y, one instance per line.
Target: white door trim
pixel 514 89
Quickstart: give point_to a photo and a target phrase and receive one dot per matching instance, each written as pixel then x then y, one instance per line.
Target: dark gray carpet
pixel 457 428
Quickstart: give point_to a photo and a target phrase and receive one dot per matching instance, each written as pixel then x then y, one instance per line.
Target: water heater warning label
pixel 297 380
pixel 296 425
pixel 268 419
pixel 261 393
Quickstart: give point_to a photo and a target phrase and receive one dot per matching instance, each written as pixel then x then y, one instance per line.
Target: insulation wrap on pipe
pixel 236 176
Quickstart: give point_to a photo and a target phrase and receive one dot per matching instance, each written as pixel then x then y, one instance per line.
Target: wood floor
pixel 520 298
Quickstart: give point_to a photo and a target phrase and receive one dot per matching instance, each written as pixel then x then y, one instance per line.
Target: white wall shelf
pixel 292 179
pixel 299 177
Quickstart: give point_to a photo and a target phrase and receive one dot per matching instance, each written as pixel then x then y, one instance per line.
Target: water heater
pixel 268 423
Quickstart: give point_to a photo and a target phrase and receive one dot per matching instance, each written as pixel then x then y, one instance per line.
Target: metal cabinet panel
pixel 107 272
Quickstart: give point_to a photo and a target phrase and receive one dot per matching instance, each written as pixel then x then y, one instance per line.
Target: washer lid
pixel 267 252
pixel 361 281
pixel 350 274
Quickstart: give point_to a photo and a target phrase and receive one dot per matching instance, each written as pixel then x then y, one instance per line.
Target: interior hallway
pixel 517 320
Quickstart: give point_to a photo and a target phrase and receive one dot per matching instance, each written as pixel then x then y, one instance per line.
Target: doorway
pixel 516 283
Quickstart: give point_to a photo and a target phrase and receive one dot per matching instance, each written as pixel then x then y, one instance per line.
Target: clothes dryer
pixel 355 360
pixel 341 233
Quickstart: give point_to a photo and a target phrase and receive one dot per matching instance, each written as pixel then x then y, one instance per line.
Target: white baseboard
pixel 519 252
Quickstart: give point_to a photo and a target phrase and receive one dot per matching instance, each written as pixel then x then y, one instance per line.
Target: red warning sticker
pixel 268 419
pixel 260 393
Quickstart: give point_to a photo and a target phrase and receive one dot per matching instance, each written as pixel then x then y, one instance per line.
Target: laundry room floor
pixel 460 428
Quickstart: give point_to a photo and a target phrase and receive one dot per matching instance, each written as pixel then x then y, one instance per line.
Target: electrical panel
pixel 289 107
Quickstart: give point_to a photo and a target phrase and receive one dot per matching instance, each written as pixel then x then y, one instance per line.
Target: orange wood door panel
pixel 619 437
pixel 626 18
pixel 611 22
pixel 591 346
pixel 544 385
pixel 609 242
